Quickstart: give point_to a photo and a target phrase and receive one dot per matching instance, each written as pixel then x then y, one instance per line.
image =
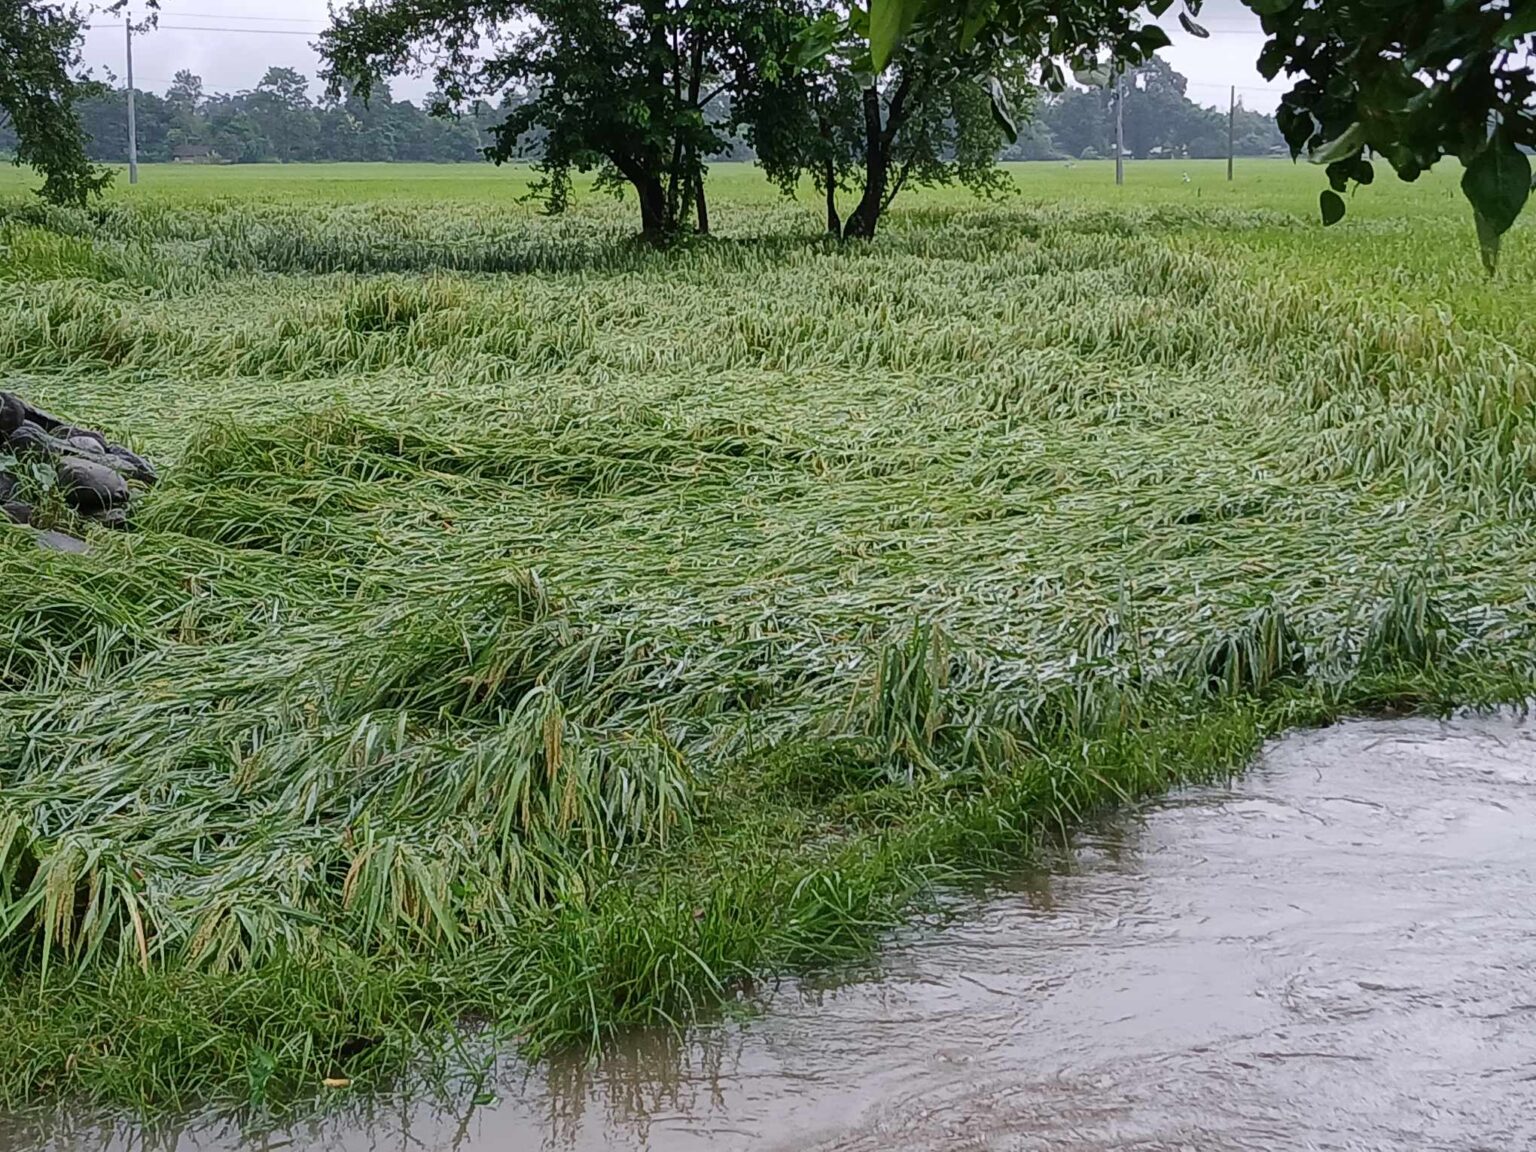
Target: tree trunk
pixel 861 225
pixel 703 206
pixel 655 220
pixel 829 174
pixel 834 221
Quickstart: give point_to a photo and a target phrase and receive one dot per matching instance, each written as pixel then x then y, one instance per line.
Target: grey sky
pixel 280 32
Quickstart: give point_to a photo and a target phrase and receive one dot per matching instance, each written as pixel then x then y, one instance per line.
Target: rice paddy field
pixel 534 635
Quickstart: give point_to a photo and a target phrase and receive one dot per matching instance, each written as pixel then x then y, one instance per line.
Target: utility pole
pixel 133 128
pixel 1119 130
pixel 1231 130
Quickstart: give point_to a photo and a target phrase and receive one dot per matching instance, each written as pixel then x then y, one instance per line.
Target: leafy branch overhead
pixel 41 89
pixel 1409 81
pixel 39 55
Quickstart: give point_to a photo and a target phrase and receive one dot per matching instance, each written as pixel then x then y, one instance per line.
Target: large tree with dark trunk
pixel 623 87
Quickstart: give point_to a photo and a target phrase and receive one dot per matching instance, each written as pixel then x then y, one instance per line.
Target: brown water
pixel 1337 952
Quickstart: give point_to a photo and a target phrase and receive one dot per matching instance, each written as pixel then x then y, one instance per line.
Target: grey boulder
pixel 62 542
pixel 89 487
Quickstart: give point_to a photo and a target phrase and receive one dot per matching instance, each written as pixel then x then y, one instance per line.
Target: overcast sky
pixel 230 43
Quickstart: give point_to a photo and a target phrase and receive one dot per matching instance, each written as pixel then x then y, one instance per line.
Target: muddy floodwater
pixel 1336 952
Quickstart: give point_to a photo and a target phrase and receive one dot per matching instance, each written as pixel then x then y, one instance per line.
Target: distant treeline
pixel 1160 120
pixel 279 121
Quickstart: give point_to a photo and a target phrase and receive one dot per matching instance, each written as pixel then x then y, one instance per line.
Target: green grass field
pixel 542 633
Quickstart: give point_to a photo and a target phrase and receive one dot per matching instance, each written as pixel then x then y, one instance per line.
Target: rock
pixel 36 416
pixel 89 487
pixel 86 442
pixel 32 440
pixel 7 486
pixel 17 512
pixel 28 439
pixel 134 466
pixel 12 413
pixel 93 472
pixel 62 542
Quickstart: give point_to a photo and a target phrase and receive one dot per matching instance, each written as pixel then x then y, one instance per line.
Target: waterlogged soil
pixel 1338 951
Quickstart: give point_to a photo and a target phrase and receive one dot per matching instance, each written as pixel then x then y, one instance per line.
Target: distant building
pixel 194 154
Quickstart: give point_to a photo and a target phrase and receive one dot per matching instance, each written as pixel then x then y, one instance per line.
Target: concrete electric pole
pixel 133 128
pixel 1231 130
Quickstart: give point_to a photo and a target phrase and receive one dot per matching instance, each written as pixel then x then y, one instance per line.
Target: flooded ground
pixel 1338 952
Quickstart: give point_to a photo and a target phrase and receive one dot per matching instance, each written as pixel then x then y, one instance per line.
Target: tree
pixel 1079 121
pixel 1159 116
pixel 619 86
pixel 185 100
pixel 814 107
pixel 234 133
pixel 1036 141
pixel 39 96
pixel 1255 134
pixel 104 122
pixel 279 106
pixel 186 91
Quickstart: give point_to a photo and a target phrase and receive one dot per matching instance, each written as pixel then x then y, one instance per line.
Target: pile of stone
pixel 92 473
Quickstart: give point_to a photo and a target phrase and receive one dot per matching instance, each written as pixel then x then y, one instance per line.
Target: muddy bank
pixel 1338 951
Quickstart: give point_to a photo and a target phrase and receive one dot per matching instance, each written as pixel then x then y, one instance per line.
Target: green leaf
pixel 817 39
pixel 1333 207
pixel 971 27
pixel 889 22
pixel 1150 39
pixel 1268 7
pixel 1407 163
pixel 1271 59
pixel 1096 77
pixel 1001 111
pixel 1498 182
pixel 1192 28
pixel 1343 146
pixel 1518 26
pixel 1488 240
pixel 1363 172
pixel 1295 125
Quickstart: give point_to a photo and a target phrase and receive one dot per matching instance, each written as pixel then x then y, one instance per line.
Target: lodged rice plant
pixel 536 630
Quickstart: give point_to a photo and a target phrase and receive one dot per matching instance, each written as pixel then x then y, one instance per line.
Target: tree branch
pixel 896 116
pixel 891 192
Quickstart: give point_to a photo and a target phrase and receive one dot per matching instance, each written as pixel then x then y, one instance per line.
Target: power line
pixel 210 28
pixel 232 16
pixel 1275 90
pixel 251 31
